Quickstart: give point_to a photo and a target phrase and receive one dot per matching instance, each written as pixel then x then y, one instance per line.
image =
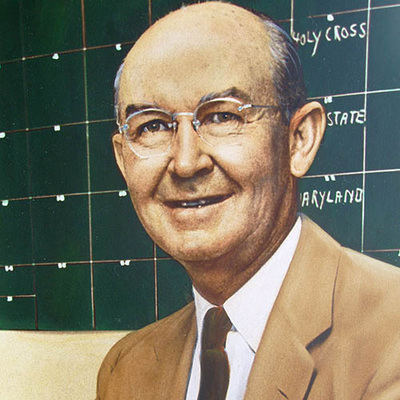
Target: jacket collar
pixel 302 313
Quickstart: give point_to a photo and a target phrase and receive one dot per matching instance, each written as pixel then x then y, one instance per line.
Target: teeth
pixel 197 203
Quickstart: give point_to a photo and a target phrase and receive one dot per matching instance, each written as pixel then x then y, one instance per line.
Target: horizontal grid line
pixel 71 51
pixel 61 125
pixel 376 171
pixel 378 91
pixel 355 11
pixel 98 121
pixel 382 251
pixel 49 196
pixel 76 263
pixel 131 42
pixel 115 191
pixel 136 261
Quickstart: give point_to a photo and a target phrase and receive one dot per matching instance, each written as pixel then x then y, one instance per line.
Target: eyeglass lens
pixel 151 131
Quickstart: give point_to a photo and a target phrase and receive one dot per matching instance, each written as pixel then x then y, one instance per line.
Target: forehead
pixel 200 50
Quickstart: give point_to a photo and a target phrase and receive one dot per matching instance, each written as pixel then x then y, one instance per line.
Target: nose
pixel 189 153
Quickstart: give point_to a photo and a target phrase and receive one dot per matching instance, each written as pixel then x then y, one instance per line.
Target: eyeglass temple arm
pixel 244 106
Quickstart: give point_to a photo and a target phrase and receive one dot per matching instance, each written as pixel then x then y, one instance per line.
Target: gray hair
pixel 287 75
pixel 117 82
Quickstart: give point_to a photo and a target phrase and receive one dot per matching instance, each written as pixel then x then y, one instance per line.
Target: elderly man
pixel 214 133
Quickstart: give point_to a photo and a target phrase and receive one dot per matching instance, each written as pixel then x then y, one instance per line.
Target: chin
pixel 190 250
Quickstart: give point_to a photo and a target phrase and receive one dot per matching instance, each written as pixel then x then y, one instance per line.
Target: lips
pixel 196 203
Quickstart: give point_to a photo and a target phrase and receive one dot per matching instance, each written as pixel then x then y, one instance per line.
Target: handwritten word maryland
pixel 335 33
pixel 318 198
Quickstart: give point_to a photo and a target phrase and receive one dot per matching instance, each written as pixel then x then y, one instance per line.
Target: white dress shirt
pixel 248 309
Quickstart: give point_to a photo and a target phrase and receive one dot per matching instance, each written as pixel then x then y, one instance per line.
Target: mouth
pixel 197 203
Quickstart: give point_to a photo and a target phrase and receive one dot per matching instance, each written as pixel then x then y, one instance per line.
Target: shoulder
pixel 142 358
pixel 370 286
pixel 353 267
pixel 150 334
pixel 366 290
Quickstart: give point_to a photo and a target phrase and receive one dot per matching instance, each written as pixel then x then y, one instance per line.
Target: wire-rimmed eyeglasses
pixel 221 121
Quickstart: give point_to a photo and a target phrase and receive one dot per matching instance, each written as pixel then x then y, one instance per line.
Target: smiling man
pixel 215 131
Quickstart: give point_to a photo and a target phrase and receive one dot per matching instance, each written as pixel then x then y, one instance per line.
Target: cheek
pixel 254 162
pixel 142 176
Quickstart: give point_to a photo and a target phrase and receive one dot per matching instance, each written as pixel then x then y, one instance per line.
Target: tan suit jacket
pixel 333 333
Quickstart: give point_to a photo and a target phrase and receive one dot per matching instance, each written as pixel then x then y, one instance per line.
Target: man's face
pixel 201 202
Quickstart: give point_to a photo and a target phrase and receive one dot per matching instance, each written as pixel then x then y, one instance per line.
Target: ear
pixel 306 131
pixel 117 141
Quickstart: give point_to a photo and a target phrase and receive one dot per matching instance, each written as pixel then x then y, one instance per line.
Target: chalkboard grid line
pixel 367 92
pixel 105 263
pixel 118 192
pixel 49 196
pixel 63 52
pixel 85 82
pixel 355 10
pixel 365 128
pixel 376 171
pixel 66 124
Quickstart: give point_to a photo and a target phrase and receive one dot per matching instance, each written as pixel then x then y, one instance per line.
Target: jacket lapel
pixel 283 366
pixel 174 358
pixel 184 353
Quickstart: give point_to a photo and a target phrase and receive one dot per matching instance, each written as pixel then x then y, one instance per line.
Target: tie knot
pixel 216 326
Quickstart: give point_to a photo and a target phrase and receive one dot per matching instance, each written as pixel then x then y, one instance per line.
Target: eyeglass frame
pixel 195 122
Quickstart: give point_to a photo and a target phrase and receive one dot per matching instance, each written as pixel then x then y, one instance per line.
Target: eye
pixel 154 126
pixel 222 117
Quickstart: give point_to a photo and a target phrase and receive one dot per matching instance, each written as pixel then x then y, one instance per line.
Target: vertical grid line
pixel 291 18
pixel 28 160
pixel 83 24
pixel 92 299
pixel 150 6
pixel 365 128
pixel 155 269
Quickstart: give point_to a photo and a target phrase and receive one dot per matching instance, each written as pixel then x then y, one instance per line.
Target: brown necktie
pixel 214 378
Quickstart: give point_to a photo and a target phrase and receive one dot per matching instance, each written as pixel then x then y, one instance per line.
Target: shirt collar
pixel 250 307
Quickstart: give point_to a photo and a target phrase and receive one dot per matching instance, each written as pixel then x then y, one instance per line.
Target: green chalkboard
pixel 73 254
pixel 351 62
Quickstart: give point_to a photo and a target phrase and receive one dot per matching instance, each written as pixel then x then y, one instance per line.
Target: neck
pixel 218 279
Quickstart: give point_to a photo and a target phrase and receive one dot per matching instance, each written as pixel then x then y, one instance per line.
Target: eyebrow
pixel 131 108
pixel 231 92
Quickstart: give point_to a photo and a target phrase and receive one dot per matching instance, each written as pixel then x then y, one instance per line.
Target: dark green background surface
pixel 73 255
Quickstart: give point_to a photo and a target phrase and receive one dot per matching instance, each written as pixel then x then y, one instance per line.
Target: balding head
pixel 216 39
